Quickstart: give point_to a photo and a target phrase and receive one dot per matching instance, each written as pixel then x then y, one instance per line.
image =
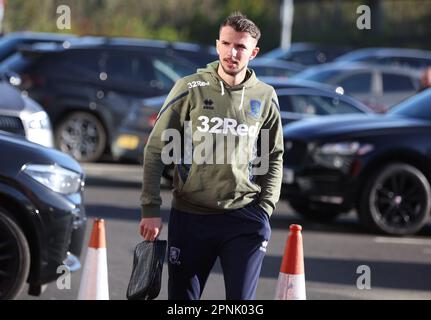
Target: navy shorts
pixel 238 237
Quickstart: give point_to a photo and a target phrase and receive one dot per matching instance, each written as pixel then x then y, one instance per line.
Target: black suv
pixel 87 85
pixel 11 42
pixel 42 215
pixel 377 164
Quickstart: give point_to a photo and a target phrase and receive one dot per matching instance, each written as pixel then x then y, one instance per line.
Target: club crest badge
pixel 255 108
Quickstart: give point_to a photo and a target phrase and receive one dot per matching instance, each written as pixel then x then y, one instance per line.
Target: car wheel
pixel 313 211
pixel 82 136
pixel 14 257
pixel 396 200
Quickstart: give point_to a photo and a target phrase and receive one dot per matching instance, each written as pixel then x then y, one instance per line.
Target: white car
pixel 23 116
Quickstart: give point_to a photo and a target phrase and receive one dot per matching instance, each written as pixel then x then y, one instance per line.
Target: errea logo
pixel 195 84
pixel 208 104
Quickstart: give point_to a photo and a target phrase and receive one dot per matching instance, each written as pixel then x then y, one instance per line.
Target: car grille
pixel 295 152
pixel 12 125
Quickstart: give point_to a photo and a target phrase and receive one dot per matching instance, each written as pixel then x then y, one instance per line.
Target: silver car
pixel 23 116
pixel 379 87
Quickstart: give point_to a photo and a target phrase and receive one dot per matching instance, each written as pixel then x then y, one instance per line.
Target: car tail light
pixel 152 119
pixel 29 81
pixel 355 167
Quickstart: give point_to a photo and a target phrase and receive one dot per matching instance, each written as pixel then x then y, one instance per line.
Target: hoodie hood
pixel 210 74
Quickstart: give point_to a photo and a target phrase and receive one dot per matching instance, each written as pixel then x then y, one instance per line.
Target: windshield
pixel 418 106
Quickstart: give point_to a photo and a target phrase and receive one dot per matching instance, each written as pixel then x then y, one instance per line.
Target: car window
pixel 265 71
pixel 285 103
pixel 321 105
pixel 396 82
pixel 357 83
pixel 125 68
pixel 411 62
pixel 85 63
pixel 318 75
pixel 303 57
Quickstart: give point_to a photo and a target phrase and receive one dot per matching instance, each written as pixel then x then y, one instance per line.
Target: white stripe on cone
pixel 290 287
pixel 94 281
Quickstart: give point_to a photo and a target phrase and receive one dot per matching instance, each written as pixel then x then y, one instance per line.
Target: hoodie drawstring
pixel 242 94
pixel 222 88
pixel 242 98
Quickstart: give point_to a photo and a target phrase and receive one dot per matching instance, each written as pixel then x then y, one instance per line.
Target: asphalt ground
pixel 335 254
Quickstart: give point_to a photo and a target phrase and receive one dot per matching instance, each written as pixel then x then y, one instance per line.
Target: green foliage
pixel 400 23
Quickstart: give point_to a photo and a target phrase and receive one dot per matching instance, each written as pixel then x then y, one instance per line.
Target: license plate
pixel 288 176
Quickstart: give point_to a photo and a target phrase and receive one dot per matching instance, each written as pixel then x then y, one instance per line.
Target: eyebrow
pixel 237 44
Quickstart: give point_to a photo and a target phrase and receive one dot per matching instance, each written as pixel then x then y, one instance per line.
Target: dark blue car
pixel 42 215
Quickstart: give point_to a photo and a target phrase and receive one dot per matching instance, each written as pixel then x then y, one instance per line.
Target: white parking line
pixel 403 241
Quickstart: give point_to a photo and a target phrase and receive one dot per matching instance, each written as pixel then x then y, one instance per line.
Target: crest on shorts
pixel 174 255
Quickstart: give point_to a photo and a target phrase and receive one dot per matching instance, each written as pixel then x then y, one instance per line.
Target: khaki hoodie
pixel 213 133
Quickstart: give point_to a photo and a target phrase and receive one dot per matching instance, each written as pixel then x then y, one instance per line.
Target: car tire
pixel 81 135
pixel 313 211
pixel 395 200
pixel 14 256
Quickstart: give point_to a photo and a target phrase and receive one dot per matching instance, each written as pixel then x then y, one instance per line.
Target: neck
pixel 232 80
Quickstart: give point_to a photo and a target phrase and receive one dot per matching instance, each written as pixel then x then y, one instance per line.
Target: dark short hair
pixel 240 23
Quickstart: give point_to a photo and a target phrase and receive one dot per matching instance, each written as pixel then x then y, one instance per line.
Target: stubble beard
pixel 232 72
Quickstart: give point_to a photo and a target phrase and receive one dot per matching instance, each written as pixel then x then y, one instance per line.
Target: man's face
pixel 235 50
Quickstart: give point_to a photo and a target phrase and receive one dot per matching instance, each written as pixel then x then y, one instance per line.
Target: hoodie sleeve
pixel 271 181
pixel 171 116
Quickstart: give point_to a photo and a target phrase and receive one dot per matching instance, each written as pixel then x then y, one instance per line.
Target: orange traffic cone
pixel 291 279
pixel 94 281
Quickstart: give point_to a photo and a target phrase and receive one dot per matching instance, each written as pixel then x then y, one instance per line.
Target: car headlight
pixel 339 155
pixel 54 177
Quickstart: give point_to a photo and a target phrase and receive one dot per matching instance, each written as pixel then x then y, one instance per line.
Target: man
pixel 220 208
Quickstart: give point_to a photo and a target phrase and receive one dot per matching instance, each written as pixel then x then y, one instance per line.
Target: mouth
pixel 231 63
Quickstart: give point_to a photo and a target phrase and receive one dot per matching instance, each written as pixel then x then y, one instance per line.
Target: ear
pixel 254 53
pixel 217 42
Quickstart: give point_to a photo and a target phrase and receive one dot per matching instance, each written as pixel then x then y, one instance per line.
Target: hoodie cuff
pixel 150 211
pixel 267 207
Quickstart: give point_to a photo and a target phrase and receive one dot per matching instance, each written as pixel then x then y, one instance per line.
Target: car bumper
pixel 129 145
pixel 60 221
pixel 321 186
pixel 64 240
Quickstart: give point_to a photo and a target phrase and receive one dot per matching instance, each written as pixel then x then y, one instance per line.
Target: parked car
pixel 22 115
pixel 379 87
pixel 42 215
pixel 379 165
pixel 11 42
pixel 307 54
pixel 199 55
pixel 275 68
pixel 87 87
pixel 399 57
pixel 297 100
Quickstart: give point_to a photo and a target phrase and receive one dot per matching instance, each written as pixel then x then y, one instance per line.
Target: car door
pixel 359 84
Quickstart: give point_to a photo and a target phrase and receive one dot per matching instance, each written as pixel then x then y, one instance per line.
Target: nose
pixel 234 52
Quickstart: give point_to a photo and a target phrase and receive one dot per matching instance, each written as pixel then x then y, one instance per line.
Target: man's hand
pixel 150 228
